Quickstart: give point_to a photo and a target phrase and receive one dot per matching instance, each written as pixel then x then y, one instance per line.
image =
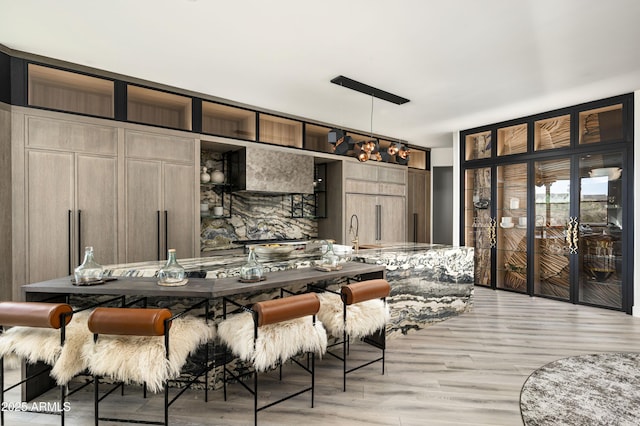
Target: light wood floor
pixel 464 371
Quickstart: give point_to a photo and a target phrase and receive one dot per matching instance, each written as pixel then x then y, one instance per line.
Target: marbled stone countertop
pixel 225 265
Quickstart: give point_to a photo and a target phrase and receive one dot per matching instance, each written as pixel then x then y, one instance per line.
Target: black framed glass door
pixel 600 225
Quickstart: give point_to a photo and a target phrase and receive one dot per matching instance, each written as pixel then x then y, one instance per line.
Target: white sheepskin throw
pixel 70 363
pixel 363 318
pixel 35 344
pixel 142 359
pixel 276 342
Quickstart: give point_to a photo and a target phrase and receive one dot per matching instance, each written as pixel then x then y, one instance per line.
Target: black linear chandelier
pixel 343 144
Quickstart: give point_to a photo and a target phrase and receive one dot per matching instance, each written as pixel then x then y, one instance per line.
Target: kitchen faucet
pixel 355 240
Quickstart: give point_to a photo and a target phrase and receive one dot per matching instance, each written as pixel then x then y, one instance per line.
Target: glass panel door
pixel 552 133
pixel 601 125
pixel 478 146
pixel 600 230
pixel 512 140
pixel 479 224
pixel 511 253
pixel 551 253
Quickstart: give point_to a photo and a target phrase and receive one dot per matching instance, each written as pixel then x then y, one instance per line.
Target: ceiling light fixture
pixel 368 90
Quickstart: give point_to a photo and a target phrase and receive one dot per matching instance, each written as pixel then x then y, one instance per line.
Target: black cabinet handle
pixel 69 221
pixel 166 231
pixel 378 222
pixel 415 227
pixel 79 235
pixel 158 233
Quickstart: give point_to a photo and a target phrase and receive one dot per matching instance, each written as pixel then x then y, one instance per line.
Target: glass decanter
pixel 90 270
pixel 171 274
pixel 251 271
pixel 329 258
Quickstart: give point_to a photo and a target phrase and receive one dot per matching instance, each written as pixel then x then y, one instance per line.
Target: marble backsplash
pixel 252 216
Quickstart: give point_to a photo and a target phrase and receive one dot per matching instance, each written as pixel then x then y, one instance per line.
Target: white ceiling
pixel 462 63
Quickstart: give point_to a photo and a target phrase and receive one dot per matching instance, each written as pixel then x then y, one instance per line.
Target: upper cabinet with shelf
pixel 72 88
pixel 512 139
pixel 315 138
pixel 158 108
pixel 280 131
pixel 477 146
pixel 550 133
pixel 223 120
pixel 601 124
pixel 61 90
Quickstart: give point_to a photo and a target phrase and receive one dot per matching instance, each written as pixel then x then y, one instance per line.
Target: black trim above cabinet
pixel 196 115
pixel 18 82
pixel 5 78
pixel 587 138
pixel 120 100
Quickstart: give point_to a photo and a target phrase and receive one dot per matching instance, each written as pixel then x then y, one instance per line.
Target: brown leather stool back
pixel 288 308
pixel 35 314
pixel 365 290
pixel 129 321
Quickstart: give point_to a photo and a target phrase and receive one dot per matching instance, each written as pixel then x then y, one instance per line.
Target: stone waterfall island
pixel 429 282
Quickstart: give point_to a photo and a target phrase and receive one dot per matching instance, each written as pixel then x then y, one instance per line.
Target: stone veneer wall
pixel 253 215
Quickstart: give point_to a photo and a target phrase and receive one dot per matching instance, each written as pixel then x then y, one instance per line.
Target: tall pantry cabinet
pixel 70 194
pixel 160 196
pixel 376 195
pixel 77 181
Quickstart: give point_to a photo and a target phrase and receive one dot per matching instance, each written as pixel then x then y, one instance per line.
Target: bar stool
pixel 37 334
pixel 145 346
pixel 270 333
pixel 358 311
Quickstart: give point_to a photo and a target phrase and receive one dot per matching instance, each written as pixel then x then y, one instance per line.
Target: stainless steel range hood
pixel 253 169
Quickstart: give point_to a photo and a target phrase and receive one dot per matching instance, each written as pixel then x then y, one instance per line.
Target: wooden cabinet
pixel 72 204
pixel 377 195
pixel 418 202
pixel 365 208
pixel 71 197
pixel 160 201
pixel 391 219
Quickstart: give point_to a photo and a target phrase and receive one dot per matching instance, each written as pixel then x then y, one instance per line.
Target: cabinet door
pixel 142 206
pixel 418 219
pixel 512 230
pixel 179 194
pixel 97 207
pixel 392 214
pixel 49 205
pixel 364 207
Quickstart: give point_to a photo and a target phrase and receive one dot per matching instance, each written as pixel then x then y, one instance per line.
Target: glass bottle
pixel 90 270
pixel 171 274
pixel 329 258
pixel 252 270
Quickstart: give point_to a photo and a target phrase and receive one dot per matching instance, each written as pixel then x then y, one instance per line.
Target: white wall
pixel 442 157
